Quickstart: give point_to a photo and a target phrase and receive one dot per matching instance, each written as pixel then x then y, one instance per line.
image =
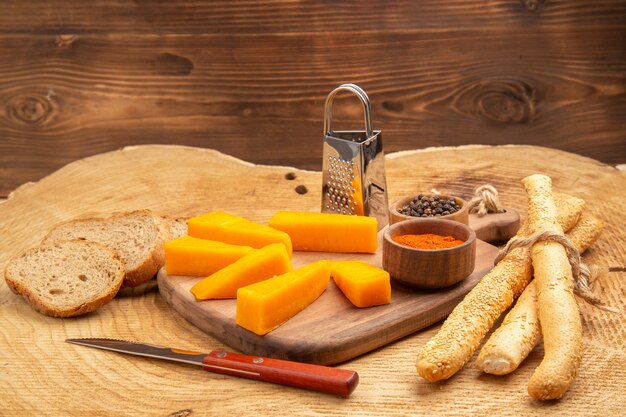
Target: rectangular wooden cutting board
pixel 331 330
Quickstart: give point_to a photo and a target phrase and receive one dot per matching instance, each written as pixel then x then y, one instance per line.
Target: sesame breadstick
pixel 520 331
pixel 558 311
pixel 461 333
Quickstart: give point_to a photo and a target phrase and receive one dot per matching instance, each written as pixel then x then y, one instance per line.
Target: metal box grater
pixel 353 166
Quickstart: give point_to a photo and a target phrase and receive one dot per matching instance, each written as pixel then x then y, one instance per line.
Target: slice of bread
pixel 137 236
pixel 66 278
pixel 178 226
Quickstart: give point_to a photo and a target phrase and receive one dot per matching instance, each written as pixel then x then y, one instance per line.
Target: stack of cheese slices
pixel 250 262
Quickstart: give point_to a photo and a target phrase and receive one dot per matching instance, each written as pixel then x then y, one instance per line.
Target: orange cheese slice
pixel 326 232
pixel 258 265
pixel 363 284
pixel 263 306
pixel 199 257
pixel 235 230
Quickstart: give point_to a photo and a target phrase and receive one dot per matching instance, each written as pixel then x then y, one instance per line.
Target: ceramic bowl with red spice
pixel 429 268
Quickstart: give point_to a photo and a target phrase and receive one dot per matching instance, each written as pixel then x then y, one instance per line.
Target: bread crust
pixel 558 310
pixel 520 331
pixel 461 333
pixel 516 337
pixel 155 259
pixel 17 286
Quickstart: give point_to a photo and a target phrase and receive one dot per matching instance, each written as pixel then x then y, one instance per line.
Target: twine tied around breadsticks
pixel 583 274
pixel 485 200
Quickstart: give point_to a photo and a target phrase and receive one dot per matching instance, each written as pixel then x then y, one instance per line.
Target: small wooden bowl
pixel 395 216
pixel 435 268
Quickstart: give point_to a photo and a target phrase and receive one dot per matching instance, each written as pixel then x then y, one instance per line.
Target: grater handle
pixel 367 108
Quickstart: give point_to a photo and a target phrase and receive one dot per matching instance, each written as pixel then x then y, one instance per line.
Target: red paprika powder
pixel 428 241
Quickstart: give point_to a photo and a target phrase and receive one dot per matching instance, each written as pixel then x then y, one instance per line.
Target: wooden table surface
pixel 40 374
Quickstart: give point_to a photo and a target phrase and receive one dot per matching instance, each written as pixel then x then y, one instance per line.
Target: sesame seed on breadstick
pixel 520 331
pixel 518 334
pixel 460 335
pixel 558 311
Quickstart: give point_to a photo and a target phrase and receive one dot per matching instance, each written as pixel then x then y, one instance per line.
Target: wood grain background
pixel 249 78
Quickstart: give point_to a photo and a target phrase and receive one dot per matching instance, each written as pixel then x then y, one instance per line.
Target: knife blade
pixel 296 374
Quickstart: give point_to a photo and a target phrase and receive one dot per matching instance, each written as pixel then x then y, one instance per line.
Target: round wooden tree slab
pixel 43 375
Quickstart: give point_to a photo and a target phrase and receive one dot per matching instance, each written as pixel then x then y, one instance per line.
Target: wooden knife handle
pixel 296 374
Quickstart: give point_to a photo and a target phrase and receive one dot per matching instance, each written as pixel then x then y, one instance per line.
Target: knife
pixel 296 374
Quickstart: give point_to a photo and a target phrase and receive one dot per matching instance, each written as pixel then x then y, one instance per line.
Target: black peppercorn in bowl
pixel 429 206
